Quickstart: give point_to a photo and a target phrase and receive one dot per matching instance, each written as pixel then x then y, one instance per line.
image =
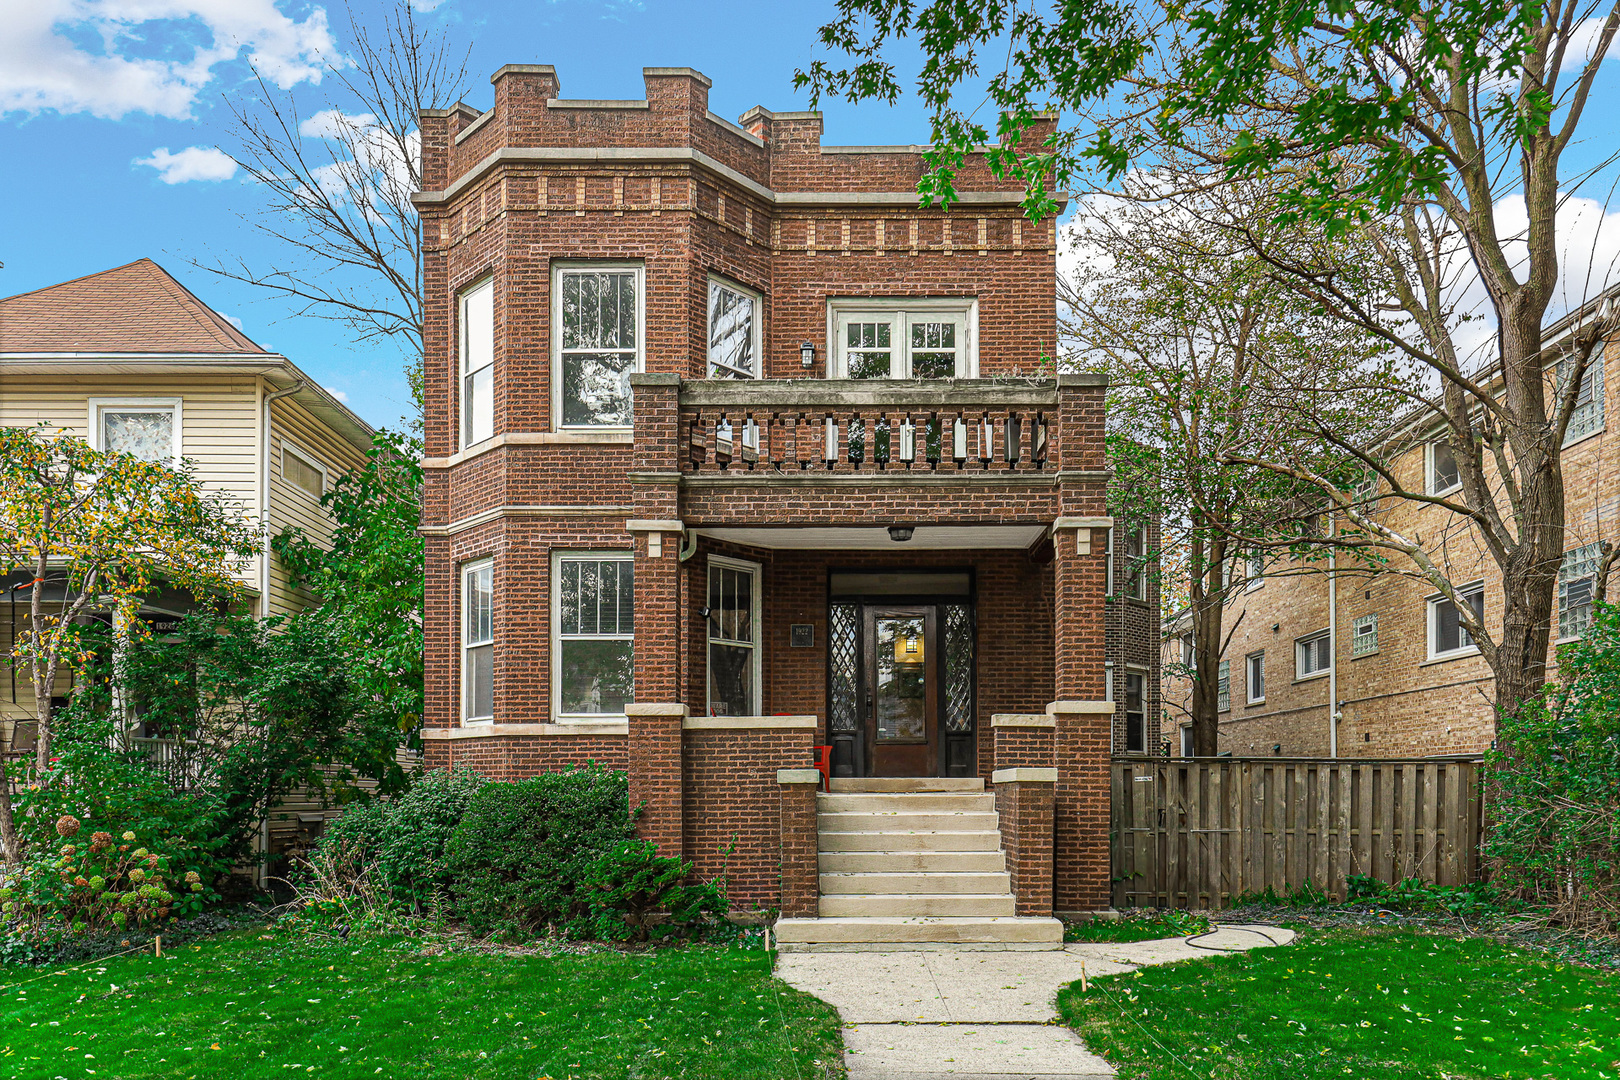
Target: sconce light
pixel 807 354
pixel 1276 626
pixel 901 533
pixel 1276 750
pixel 703 612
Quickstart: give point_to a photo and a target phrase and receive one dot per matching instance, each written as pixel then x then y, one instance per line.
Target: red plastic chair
pixel 824 765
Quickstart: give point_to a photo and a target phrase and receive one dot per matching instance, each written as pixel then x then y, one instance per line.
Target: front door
pixel 902 690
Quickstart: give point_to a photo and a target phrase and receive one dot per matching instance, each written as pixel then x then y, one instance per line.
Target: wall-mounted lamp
pixel 807 354
pixel 901 533
pixel 1276 626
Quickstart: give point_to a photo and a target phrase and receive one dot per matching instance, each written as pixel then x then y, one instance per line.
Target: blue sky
pixel 80 118
pixel 110 119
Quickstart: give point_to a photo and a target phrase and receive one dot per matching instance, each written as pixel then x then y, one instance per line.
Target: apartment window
pixel 146 428
pixel 1444 476
pixel 477 307
pixel 1577 582
pixel 1135 712
pixel 1186 742
pixel 478 641
pixel 302 471
pixel 1223 687
pixel 1587 416
pixel 594 646
pixel 598 308
pixel 1447 635
pixel 734 351
pixel 1255 571
pixel 734 660
pixel 1364 635
pixel 1366 486
pixel 1256 677
pixel 1313 655
pixel 929 339
pixel 1134 552
pixel 1188 657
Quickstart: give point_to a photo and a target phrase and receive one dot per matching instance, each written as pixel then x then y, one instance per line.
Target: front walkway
pixel 966 1015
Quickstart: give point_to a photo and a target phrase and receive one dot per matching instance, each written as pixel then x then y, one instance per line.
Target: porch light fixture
pixel 807 354
pixel 901 533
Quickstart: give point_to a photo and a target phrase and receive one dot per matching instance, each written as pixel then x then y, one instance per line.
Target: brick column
pixel 801 883
pixel 1024 806
pixel 655 767
pixel 1023 740
pixel 1080 804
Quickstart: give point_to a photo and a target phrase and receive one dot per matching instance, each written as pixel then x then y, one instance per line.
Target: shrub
pixel 523 851
pixel 629 882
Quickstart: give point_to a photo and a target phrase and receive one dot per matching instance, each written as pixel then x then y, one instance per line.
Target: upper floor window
pixel 599 343
pixel 478 641
pixel 477 310
pixel 1447 634
pixel 1313 655
pixel 1130 577
pixel 1135 713
pixel 1256 663
pixel 1443 475
pixel 734 331
pixel 1223 686
pixel 302 471
pixel 1577 583
pixel 1587 416
pixel 147 428
pixel 926 339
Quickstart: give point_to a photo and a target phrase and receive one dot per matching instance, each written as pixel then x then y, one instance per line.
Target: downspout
pixel 1333 645
pixel 264 497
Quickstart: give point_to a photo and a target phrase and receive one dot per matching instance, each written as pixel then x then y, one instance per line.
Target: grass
pixel 1141 925
pixel 1370 1004
pixel 251 1005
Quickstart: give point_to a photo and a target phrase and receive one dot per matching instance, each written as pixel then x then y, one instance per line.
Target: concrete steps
pixel 913 863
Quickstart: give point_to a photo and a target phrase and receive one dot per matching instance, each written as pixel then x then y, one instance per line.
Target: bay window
pixel 478 641
pixel 598 315
pixel 593 638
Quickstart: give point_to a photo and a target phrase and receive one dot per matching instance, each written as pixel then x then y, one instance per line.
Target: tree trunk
pixel 44 674
pixel 10 846
pixel 1208 610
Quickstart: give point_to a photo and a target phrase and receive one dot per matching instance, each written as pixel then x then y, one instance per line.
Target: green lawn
pixel 247 1006
pixel 1135 927
pixel 1375 1005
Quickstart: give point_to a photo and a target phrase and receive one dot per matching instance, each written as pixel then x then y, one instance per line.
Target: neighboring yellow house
pixel 131 360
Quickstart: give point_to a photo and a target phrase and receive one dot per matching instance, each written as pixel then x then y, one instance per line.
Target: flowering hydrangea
pixel 67 825
pixel 129 836
pixel 100 842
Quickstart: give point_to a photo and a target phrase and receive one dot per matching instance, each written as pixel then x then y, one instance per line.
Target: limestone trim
pixel 483 119
pixel 735 723
pixel 1080 707
pixel 873 392
pixel 869 480
pixel 472 521
pixel 1023 720
pixel 1024 776
pixel 496 731
pixel 655 708
pixel 531 438
pixel 798 776
pixel 1082 523
pixel 660 525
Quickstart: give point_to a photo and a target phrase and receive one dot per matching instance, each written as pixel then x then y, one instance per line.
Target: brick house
pixel 735 452
pixel 1386 647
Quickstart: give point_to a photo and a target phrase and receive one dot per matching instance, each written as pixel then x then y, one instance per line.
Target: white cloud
pixel 335 392
pixel 192 163
pixel 110 58
pixel 334 124
pixel 234 321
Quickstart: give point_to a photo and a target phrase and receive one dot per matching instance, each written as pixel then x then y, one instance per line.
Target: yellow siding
pixel 291 423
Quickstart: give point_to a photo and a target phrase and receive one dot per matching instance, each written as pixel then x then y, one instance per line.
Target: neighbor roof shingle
pixel 136 308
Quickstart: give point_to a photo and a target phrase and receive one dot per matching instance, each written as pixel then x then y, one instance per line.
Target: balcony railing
pixel 798 425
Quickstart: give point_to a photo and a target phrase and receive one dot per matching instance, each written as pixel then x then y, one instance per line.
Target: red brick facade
pixel 1012 499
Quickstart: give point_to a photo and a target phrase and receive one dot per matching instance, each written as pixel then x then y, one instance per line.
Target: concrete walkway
pixel 980 1015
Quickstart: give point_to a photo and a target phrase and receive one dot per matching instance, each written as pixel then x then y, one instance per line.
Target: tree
pixel 338 182
pixel 1408 122
pixel 108 528
pixel 369 577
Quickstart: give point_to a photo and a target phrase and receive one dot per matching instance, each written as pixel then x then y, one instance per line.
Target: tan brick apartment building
pixel 1408 681
pixel 734 452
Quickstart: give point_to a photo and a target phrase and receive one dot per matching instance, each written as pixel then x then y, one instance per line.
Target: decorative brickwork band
pixel 656 770
pixel 800 867
pixel 1024 805
pixel 1080 819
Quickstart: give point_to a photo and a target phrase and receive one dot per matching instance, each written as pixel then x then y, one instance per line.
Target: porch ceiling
pixel 860 538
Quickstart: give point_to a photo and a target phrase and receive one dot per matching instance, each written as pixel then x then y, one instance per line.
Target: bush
pixel 523 850
pixel 1415 894
pixel 628 883
pixel 1554 788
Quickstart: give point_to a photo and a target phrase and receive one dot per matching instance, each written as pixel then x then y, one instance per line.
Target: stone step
pixel 848 784
pixel 941 840
pixel 905 862
pixel 836 884
pixel 909 802
pixel 908 822
pixel 851 934
pixel 919 904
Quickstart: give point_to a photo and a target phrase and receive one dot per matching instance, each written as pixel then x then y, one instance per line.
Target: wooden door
pixel 902 690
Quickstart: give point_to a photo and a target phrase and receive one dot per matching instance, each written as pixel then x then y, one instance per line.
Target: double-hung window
pixel 1223 686
pixel 1256 677
pixel 1313 655
pixel 1135 712
pixel 734 331
pixel 1587 416
pixel 478 641
pixel 594 633
pixel 477 310
pixel 925 339
pixel 1364 634
pixel 146 428
pixel 598 314
pixel 1577 582
pixel 734 660
pixel 1447 634
pixel 1441 463
pixel 1133 550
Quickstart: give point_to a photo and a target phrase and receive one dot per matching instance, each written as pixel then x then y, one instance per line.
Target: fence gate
pixel 1201 832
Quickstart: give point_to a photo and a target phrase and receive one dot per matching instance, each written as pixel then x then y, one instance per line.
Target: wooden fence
pixel 1201 832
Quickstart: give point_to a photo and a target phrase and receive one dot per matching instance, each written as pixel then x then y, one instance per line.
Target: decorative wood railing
pixel 971 425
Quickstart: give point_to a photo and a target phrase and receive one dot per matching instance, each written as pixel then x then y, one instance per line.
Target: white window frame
pixel 1578 564
pixel 901 312
pixel 559 270
pixel 468 569
pixel 1359 633
pixel 1433 605
pixel 1126 580
pixel 1125 704
pixel 463 373
pixel 757 666
pixel 170 405
pixel 308 459
pixel 1300 646
pixel 1594 372
pixel 1186 740
pixel 1249 680
pixel 1428 468
pixel 557 559
pixel 756 333
pixel 1223 697
pixel 1254 570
